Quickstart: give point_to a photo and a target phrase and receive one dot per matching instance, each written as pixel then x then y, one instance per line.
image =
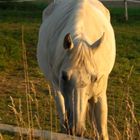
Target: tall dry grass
pixel 1 137
pixel 126 118
pixel 124 125
pixel 31 99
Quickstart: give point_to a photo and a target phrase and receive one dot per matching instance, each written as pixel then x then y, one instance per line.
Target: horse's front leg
pixel 98 116
pixel 101 112
pixel 60 106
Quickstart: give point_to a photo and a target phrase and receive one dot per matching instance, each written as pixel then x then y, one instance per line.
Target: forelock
pixel 82 55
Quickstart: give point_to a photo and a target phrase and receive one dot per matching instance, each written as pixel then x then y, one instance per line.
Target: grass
pixel 124 82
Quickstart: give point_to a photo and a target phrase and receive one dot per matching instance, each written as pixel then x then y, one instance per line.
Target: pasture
pixel 19 25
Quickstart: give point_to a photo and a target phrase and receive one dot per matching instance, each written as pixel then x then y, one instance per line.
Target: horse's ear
pixel 97 43
pixel 68 43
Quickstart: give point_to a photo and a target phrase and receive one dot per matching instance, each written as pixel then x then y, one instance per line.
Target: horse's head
pixel 77 77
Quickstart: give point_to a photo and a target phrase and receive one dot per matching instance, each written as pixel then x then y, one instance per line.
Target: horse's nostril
pixel 65 76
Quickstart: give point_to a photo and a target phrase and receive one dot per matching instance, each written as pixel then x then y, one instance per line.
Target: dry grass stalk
pixel 49 89
pixel 131 120
pixel 37 116
pixel 129 128
pixel 131 125
pixel 29 86
pixel 29 98
pixel 56 122
pixel 18 115
pixel 27 89
pixel 73 109
pixel 1 137
pixel 115 130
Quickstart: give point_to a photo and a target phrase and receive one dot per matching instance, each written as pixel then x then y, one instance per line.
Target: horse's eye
pixel 64 76
pixel 93 78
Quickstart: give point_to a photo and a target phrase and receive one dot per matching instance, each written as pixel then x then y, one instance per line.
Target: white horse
pixel 76 52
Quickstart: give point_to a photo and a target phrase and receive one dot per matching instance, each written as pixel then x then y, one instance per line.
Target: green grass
pixel 128 52
pixel 12 17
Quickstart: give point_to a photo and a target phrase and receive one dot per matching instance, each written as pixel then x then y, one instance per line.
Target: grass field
pixel 124 82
